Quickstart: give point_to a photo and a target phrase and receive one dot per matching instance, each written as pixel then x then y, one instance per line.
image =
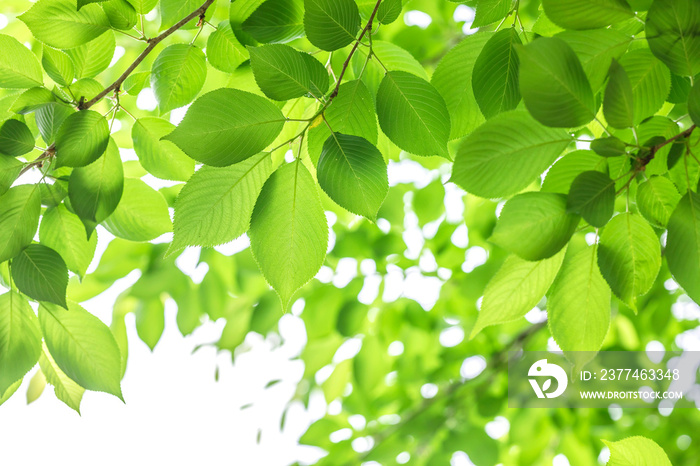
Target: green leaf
pixel 554 86
pixel 490 11
pixel 136 82
pixel 9 171
pixel 95 190
pixel 280 71
pixel 636 451
pixel 495 76
pixel 150 321
pixel 683 244
pixel 657 197
pixel 224 51
pixel 694 103
pixel 143 6
pixel 19 216
pixel 592 195
pixel 37 384
pixel 59 24
pixel 596 49
pixel 63 232
pixel 586 14
pixel 389 11
pixel 331 24
pixel 516 289
pixel 578 304
pixel 672 34
pixel 19 68
pixel 172 11
pixel 30 100
pixel 58 65
pixel 609 147
pixel 288 230
pixel 160 157
pixel 10 391
pixel 319 81
pixel 352 113
pixel 629 257
pixel 453 79
pixel 20 339
pixel 177 76
pixel 82 138
pixel 15 138
pixel 142 213
pixel 353 173
pixel 82 347
pixel 66 389
pixel 94 57
pixel 216 204
pixel 535 225
pixel 40 273
pixel 506 154
pixel 121 14
pixel 276 21
pixel 651 82
pixel 413 114
pixel 49 118
pixel 227 126
pixel 618 105
pixel 82 3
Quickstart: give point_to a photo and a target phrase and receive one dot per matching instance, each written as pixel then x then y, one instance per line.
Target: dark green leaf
pixel 618 105
pixel 280 71
pixel 331 24
pixel 586 14
pixel 495 76
pixel 592 195
pixel 15 138
pixel 276 21
pixel 673 34
pixel 82 139
pixel 683 244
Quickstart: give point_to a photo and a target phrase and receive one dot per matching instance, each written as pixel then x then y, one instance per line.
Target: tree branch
pixel 368 27
pixel 152 43
pixel 645 161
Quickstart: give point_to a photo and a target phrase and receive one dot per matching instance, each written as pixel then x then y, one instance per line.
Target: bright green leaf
pixel 683 244
pixel 58 65
pixel 535 225
pixel 142 213
pixel 516 289
pixel 66 389
pixel 63 232
pixel 651 82
pixel 19 67
pixel 586 14
pixel 618 105
pixel 82 139
pixel 82 347
pixel 592 195
pixel 177 76
pixel 161 158
pixel 657 197
pixel 353 173
pixel 121 14
pixel 413 114
pixel 20 339
pixel 578 304
pixel 280 71
pixel 216 204
pixel 224 51
pixel 19 217
pixel 288 230
pixel 227 126
pixel 15 138
pixel 276 21
pixel 495 76
pixel 40 273
pixel 490 11
pixel 506 154
pixel 554 86
pixel 636 451
pixel 58 23
pixel 94 57
pixel 629 257
pixel 331 24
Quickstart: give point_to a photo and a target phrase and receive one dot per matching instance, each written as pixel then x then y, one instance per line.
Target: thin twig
pixel 152 43
pixel 368 27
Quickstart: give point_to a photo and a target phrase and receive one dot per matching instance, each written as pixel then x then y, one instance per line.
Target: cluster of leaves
pixel 296 95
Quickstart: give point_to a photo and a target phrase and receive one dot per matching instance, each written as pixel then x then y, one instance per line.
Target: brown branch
pixel 152 43
pixel 645 161
pixel 368 28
